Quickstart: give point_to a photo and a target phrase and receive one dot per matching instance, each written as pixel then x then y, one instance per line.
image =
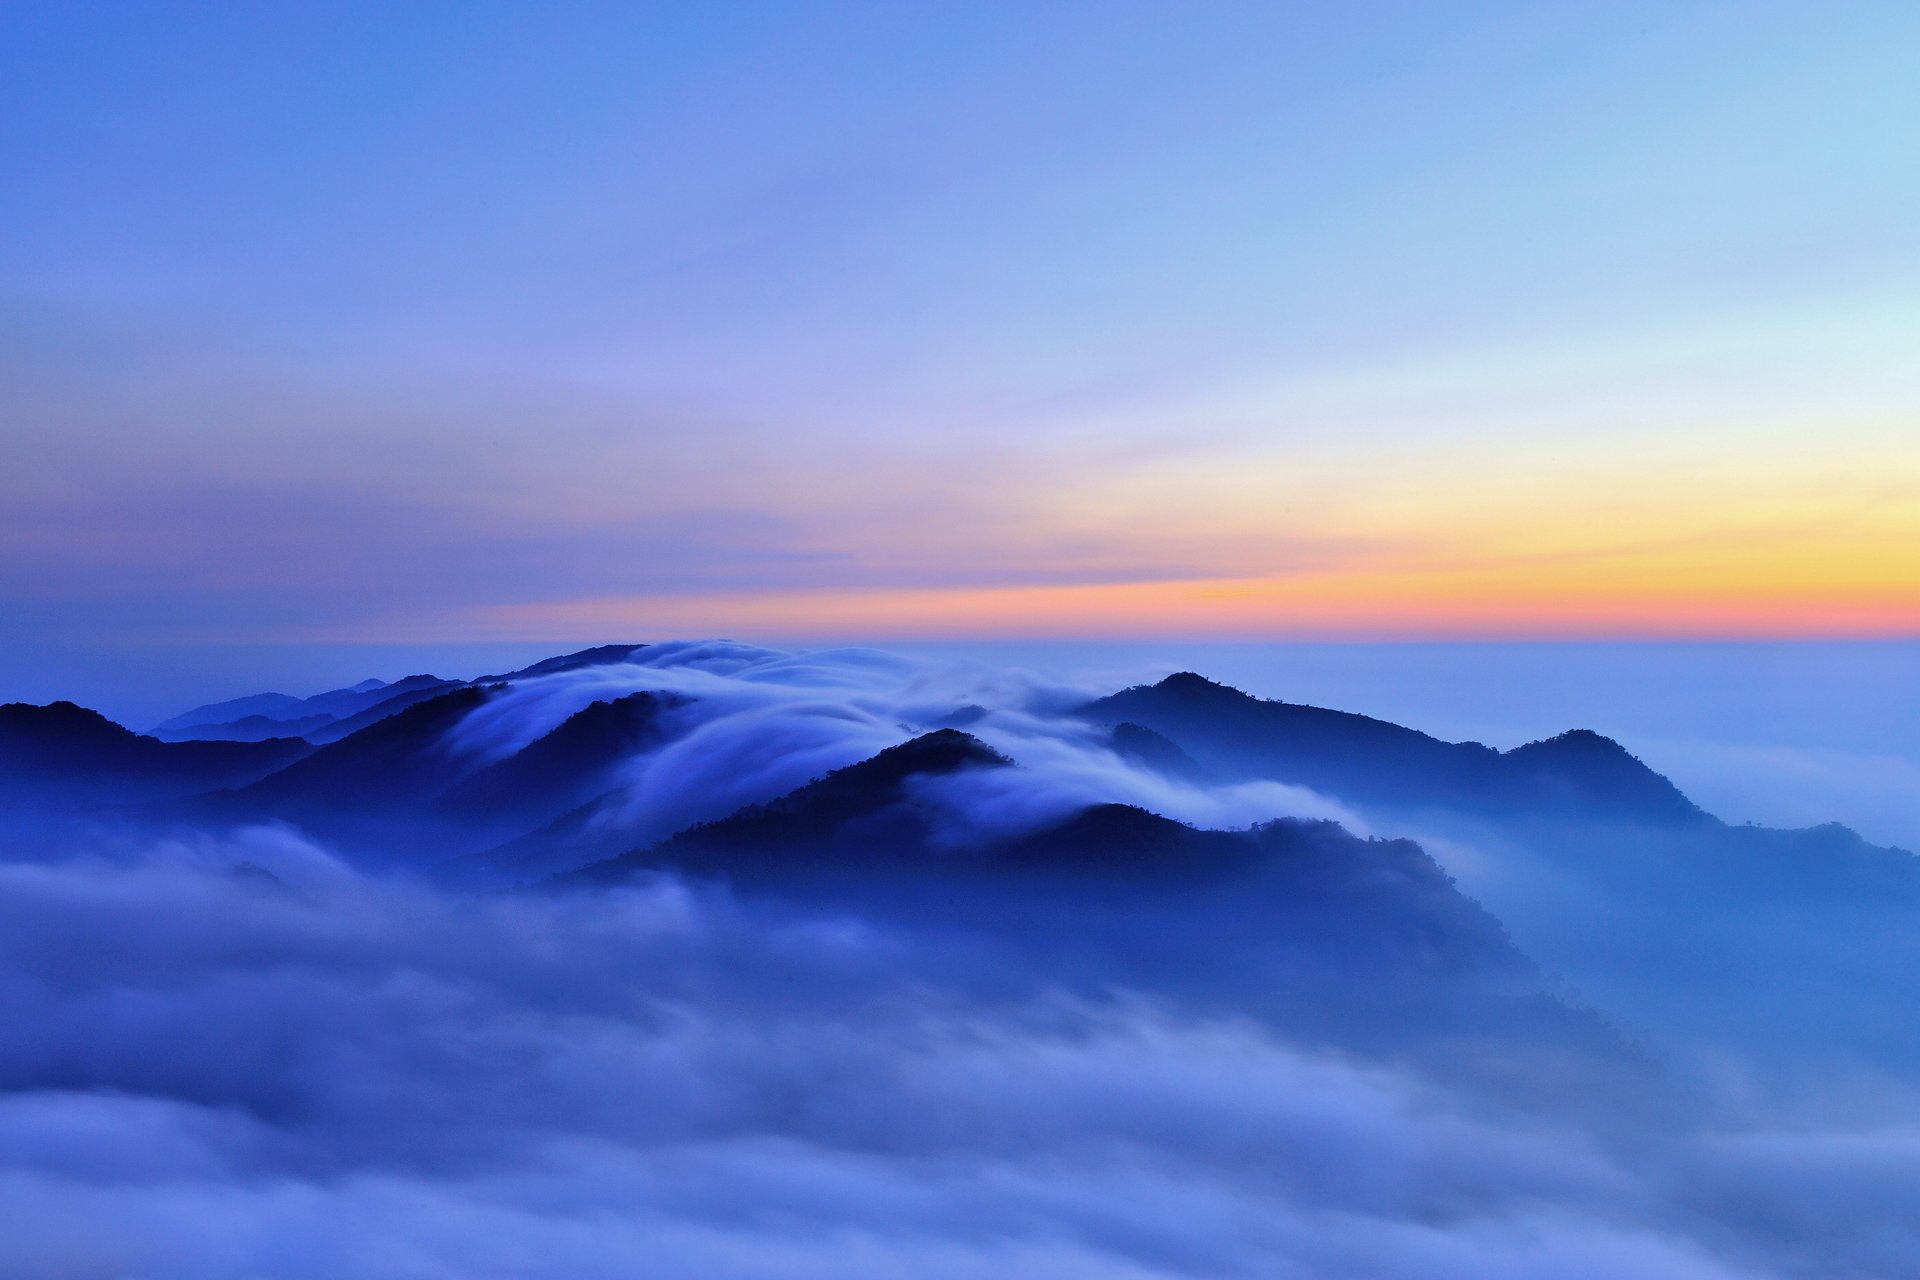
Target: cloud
pixel 306 1072
pixel 1801 786
pixel 252 1058
pixel 754 723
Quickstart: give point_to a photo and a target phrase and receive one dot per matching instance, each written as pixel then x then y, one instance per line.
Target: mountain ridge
pixel 1362 758
pixel 63 753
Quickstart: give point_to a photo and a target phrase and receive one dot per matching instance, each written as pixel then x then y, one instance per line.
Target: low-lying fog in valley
pixel 703 959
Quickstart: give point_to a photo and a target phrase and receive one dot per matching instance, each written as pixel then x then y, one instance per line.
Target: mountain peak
pixel 1578 740
pixel 598 656
pixel 940 751
pixel 1582 747
pixel 1235 735
pixel 1156 751
pixel 1192 682
pixel 62 717
pixel 862 811
pixel 1588 768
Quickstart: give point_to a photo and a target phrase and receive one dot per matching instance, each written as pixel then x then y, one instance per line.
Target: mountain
pixel 872 829
pixel 869 828
pixel 871 821
pixel 212 720
pixel 405 693
pixel 1353 941
pixel 1583 771
pixel 1601 868
pixel 408 786
pixel 846 820
pixel 66 755
pixel 1143 746
pixel 388 700
pixel 563 769
pixel 1764 943
pixel 266 706
pixel 252 728
pixel 331 715
pixel 599 655
pixel 346 701
pixel 1369 761
pixel 370 786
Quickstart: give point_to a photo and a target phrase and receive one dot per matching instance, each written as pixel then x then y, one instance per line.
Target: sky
pixel 512 325
pixel 1493 368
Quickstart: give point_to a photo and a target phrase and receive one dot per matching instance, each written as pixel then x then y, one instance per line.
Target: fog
pixel 752 723
pixel 1784 733
pixel 240 1052
pixel 302 1071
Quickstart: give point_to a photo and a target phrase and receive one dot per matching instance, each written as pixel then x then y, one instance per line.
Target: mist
pixel 1280 1038
pixel 1784 733
pixel 752 723
pixel 301 1070
pixel 921 642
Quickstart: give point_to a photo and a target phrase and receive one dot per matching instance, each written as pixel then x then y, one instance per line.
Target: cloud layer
pixel 756 723
pixel 239 1055
pixel 302 1072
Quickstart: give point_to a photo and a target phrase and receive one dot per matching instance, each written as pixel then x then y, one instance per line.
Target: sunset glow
pixel 1278 324
pixel 1062 640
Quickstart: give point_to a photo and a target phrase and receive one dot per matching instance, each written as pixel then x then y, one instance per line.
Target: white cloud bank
pixel 315 1075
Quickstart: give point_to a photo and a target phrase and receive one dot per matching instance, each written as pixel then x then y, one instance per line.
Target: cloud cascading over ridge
pixel 759 722
pixel 338 342
pixel 253 1052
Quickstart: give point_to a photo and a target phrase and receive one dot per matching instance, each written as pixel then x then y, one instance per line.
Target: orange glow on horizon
pixel 1854 576
pixel 1526 601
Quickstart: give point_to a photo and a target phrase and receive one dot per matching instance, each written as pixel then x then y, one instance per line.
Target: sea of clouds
pixel 245 1058
pixel 239 1055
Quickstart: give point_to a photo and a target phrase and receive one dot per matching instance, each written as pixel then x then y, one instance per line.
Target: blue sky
pixel 508 324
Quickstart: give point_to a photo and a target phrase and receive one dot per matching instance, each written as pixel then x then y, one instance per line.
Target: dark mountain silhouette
pixel 374 783
pixel 865 824
pixel 62 754
pixel 210 721
pixel 599 655
pixel 852 816
pixel 561 771
pixel 867 819
pixel 392 700
pixel 1371 761
pixel 593 831
pixel 1327 933
pixel 1143 746
pixel 355 697
pixel 264 705
pixel 1582 770
pixel 251 729
pixel 331 716
pixel 1122 840
pixel 406 785
pixel 1360 942
pixel 325 717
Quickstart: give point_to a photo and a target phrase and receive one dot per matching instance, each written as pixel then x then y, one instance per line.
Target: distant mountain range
pixel 352 763
pixel 1374 762
pixel 557 776
pixel 65 756
pixel 331 716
